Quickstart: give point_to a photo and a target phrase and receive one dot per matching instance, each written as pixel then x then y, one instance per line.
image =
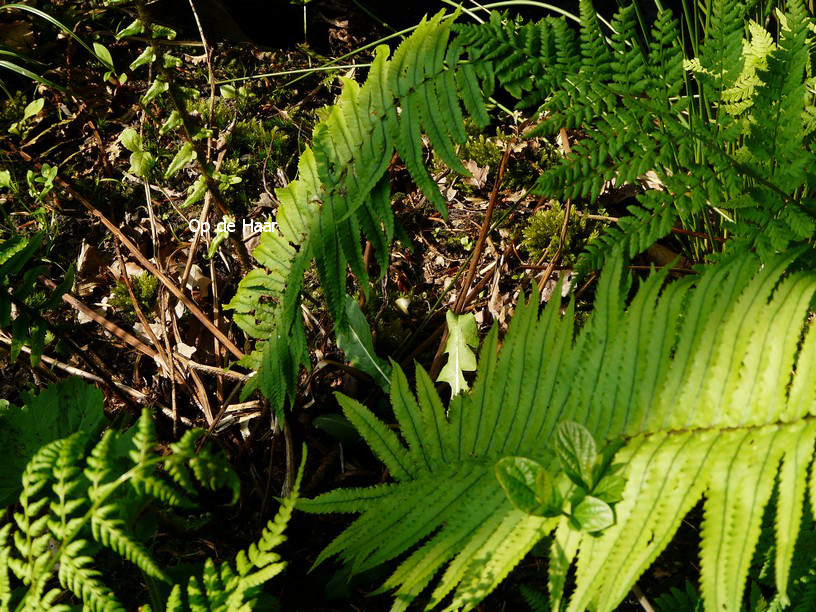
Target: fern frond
pixel 222 587
pixel 77 575
pixel 744 159
pixel 112 533
pixel 739 96
pixel 73 500
pixel 719 65
pixel 341 193
pixel 19 269
pixel 728 361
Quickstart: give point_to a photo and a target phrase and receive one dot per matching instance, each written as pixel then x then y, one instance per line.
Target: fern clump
pixel 741 167
pixel 76 498
pixel 738 361
pixel 726 137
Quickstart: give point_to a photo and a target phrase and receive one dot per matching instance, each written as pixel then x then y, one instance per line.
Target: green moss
pixel 145 287
pixel 223 112
pixel 543 233
pixel 523 167
pixel 257 138
pixel 483 151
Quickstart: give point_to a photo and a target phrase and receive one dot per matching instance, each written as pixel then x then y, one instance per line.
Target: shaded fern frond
pixel 73 501
pixel 237 586
pixel 19 269
pixel 714 404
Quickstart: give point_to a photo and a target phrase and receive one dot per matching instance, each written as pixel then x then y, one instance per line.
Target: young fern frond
pixel 714 404
pixel 342 193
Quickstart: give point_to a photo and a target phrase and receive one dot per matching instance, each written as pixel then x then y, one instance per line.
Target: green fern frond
pixel 19 269
pixel 73 498
pixel 596 59
pixel 739 96
pixel 534 599
pixel 224 588
pixel 112 533
pixel 76 574
pixel 720 54
pixel 342 192
pixel 745 424
pixel 638 112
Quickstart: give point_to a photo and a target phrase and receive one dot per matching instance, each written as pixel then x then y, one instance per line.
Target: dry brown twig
pixel 462 298
pixel 134 342
pixel 146 263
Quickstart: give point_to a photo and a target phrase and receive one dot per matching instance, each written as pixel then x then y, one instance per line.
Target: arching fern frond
pixel 704 384
pixel 237 586
pixel 342 193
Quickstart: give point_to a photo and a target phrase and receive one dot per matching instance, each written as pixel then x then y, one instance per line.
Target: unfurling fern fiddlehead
pixel 342 193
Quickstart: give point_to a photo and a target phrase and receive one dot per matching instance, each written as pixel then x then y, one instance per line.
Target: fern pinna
pixel 74 500
pixel 728 134
pixel 705 390
pixel 342 191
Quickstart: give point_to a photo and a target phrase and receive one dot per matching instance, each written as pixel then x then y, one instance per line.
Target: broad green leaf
pixel 160 31
pixel 356 342
pixel 157 88
pixel 593 514
pixel 131 140
pixel 173 121
pixel 609 488
pixel 577 451
pixel 33 108
pixel 185 155
pixel 528 486
pixel 463 337
pixel 171 61
pixel 5 179
pixel 103 54
pixel 141 163
pixel 134 27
